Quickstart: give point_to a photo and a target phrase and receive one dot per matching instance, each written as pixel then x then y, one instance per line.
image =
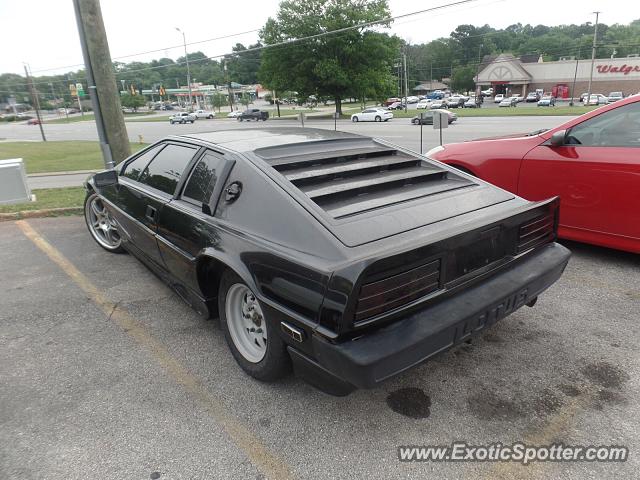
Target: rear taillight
pixel 383 295
pixel 536 232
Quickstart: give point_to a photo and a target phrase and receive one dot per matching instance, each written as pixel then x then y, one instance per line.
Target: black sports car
pixel 347 257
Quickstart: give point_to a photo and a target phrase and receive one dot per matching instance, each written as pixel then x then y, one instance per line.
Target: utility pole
pixel 36 103
pixel 575 75
pixel 186 57
pixel 103 90
pixel 593 57
pixel 478 73
pixel 406 81
pixel 431 75
pixel 226 79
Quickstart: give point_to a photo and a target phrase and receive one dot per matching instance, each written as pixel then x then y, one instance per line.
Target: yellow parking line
pixel 264 460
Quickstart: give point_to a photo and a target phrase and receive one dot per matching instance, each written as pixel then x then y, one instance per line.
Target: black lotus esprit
pixel 348 257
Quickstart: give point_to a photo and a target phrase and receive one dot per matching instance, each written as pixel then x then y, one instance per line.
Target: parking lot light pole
pixel 593 57
pixel 406 83
pixel 186 56
pixel 575 76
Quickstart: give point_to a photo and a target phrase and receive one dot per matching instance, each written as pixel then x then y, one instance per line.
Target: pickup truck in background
pixel 253 114
pixel 204 114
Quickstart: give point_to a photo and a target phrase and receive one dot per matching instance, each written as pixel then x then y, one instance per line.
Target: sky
pixel 45 32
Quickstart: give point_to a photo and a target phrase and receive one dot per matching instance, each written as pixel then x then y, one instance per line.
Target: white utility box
pixel 13 182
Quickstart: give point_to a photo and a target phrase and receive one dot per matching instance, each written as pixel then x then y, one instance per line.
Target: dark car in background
pixel 346 257
pixel 253 114
pixel 532 97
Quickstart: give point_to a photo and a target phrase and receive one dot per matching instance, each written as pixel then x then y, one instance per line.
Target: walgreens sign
pixel 624 69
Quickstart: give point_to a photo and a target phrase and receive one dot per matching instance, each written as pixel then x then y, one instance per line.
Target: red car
pixel 592 162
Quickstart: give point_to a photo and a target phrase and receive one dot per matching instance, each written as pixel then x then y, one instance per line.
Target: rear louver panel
pixel 357 180
pixel 538 231
pixel 383 295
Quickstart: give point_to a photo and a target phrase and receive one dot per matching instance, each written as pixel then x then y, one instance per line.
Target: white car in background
pixel 518 98
pixel 182 117
pixel 204 114
pixel 235 114
pixel 596 99
pixel 423 104
pixel 614 97
pixel 498 98
pixel 377 114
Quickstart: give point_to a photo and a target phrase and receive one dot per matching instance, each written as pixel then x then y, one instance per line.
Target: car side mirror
pixel 558 138
pixel 105 179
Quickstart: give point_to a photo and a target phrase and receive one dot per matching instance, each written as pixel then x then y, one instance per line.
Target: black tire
pixel 378 119
pixel 171 122
pixel 354 119
pixel 415 121
pixel 276 362
pixel 210 117
pixel 88 197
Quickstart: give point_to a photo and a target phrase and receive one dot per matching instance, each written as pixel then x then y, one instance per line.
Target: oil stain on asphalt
pixel 605 374
pixel 411 402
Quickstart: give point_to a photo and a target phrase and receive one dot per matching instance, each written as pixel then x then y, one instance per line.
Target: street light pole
pixel 406 82
pixel 478 73
pixel 186 56
pixel 575 75
pixel 593 57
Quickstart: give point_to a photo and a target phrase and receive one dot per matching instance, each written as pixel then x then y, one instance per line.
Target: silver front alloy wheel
pixel 246 323
pixel 102 227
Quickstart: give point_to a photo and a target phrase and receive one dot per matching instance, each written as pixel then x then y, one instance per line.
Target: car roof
pixel 248 140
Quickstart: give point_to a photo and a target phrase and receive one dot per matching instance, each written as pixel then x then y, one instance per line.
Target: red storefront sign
pixel 625 69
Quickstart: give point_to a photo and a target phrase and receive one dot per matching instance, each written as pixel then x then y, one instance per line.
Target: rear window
pixel 203 179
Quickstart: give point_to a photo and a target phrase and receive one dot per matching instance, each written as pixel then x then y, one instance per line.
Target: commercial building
pixel 510 75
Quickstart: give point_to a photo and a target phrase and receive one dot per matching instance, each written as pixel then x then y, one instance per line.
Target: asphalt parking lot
pixel 106 373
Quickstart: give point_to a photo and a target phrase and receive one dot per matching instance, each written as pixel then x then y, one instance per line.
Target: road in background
pixel 399 131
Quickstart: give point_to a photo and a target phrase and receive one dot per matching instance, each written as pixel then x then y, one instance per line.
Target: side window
pixel 137 165
pixel 619 127
pixel 164 172
pixel 203 179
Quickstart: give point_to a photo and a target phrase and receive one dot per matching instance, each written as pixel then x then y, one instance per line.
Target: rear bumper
pixel 372 358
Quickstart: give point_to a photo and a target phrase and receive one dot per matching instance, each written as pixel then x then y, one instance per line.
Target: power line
pixel 198 42
pixel 298 40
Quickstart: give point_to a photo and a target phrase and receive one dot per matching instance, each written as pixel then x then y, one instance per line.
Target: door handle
pixel 150 213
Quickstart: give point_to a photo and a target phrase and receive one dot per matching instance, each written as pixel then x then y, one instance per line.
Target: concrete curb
pixel 55 174
pixel 49 212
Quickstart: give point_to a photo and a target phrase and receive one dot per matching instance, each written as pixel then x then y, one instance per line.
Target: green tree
pixel 243 67
pixel 132 101
pixel 218 100
pixel 245 99
pixel 462 79
pixel 330 65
